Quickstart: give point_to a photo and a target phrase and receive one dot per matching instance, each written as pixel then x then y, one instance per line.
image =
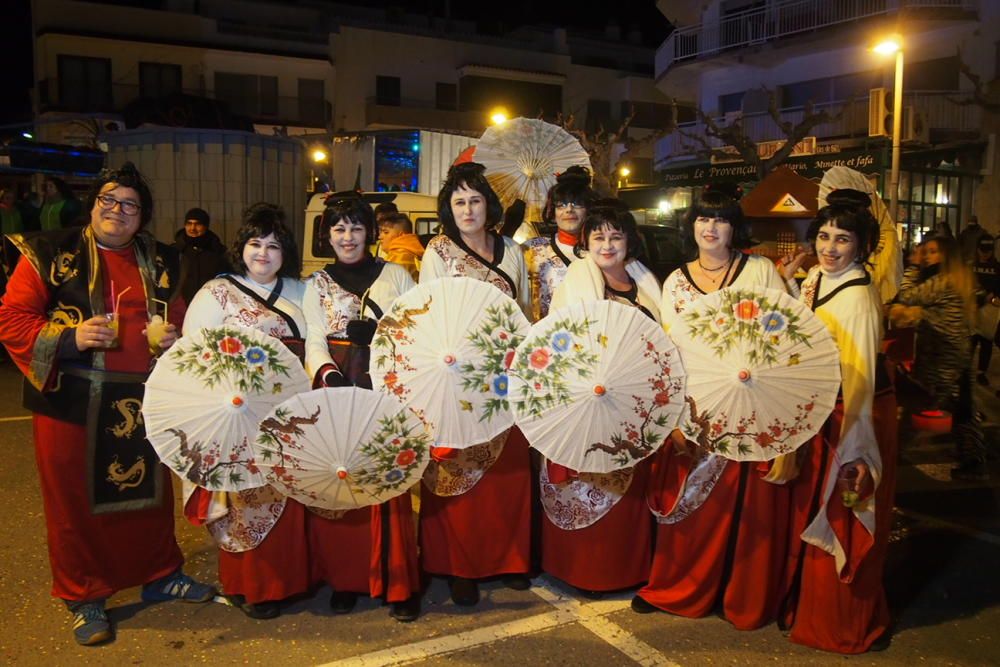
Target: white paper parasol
pixel 596 386
pixel 522 157
pixel 342 448
pixel 206 396
pixel 763 373
pixel 442 349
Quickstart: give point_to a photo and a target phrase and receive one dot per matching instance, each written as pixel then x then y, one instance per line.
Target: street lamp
pixel 319 158
pixel 888 46
pixel 623 172
pixel 498 116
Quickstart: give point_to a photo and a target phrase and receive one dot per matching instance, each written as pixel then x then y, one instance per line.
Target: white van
pixel 422 210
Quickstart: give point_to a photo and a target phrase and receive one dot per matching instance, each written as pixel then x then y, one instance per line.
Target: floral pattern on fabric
pixel 697 487
pixel 455 476
pixel 339 305
pixel 545 271
pixel 461 263
pixel 242 310
pixel 250 517
pixel 582 501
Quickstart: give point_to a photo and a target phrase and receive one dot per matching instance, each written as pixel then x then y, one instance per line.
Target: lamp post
pixel 894 44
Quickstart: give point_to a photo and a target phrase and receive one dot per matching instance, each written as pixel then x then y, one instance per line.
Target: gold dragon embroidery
pixel 131 411
pixel 127 478
pixel 63 268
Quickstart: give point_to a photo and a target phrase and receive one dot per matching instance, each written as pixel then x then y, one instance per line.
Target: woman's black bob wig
pixel 614 214
pixel 472 176
pixel 848 210
pixel 260 220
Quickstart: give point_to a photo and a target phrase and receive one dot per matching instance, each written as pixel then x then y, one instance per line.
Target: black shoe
pixel 260 611
pixel 983 380
pixel 517 582
pixel 590 595
pixel 406 611
pixel 970 471
pixel 882 643
pixel 464 592
pixel 342 602
pixel 91 625
pixel 640 606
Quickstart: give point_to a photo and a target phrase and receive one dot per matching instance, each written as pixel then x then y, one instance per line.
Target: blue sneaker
pixel 91 625
pixel 177 586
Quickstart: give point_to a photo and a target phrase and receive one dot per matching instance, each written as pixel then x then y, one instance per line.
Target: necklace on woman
pixel 706 271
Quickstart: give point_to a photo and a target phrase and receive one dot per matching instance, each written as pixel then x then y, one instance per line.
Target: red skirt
pixel 848 611
pixel 278 568
pixel 366 547
pixel 610 554
pixel 486 531
pixel 731 548
pixel 93 556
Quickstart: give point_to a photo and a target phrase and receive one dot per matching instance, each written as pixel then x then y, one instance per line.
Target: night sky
pixel 491 18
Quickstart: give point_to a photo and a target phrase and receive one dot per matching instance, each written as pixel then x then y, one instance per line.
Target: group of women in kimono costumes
pixel 761 541
pixel 764 540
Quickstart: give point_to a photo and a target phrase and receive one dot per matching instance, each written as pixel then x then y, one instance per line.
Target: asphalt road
pixel 942 580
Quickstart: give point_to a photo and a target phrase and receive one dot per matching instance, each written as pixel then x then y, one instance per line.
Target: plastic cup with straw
pixel 156 328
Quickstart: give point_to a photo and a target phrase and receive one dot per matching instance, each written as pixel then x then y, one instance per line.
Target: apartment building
pixel 319 69
pixel 725 55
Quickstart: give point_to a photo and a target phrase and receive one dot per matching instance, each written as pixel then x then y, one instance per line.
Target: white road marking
pixel 567 610
pixel 991 538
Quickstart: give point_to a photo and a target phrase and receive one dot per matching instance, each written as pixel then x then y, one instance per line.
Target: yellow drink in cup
pixel 113 324
pixel 156 329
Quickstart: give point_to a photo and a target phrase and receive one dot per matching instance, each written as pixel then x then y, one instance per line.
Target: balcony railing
pixel 277 110
pixel 938 110
pixel 781 18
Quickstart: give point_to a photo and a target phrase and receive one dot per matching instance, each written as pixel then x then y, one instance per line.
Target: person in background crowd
pixel 61 208
pixel 108 502
pixel 943 293
pixel 475 519
pixel 30 206
pixel 11 221
pixel 398 244
pixel 341 305
pixel 270 562
pixel 383 210
pixel 203 256
pixel 842 497
pixel 968 239
pixel 987 271
pixel 549 257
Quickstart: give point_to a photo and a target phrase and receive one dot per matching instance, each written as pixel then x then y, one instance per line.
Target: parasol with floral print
pixel 763 373
pixel 442 348
pixel 596 386
pixel 342 448
pixel 206 396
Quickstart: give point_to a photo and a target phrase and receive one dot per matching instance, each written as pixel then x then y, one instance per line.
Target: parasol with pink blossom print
pixel 596 386
pixel 205 398
pixel 342 448
pixel 763 373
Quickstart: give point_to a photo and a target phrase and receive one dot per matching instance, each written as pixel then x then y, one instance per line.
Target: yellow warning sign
pixel 788 204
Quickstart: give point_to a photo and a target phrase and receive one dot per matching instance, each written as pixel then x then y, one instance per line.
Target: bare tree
pixel 735 135
pixel 982 96
pixel 607 149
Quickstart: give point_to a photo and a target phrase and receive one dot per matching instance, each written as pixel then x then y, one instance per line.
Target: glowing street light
pixel 319 155
pixel 664 206
pixel 499 116
pixel 888 46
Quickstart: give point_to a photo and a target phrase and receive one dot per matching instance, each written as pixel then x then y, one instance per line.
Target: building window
pixel 598 115
pixel 85 83
pixel 248 94
pixel 387 91
pixel 312 102
pixel 730 102
pixel 159 79
pixel 939 74
pixel 446 96
pixel 649 115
